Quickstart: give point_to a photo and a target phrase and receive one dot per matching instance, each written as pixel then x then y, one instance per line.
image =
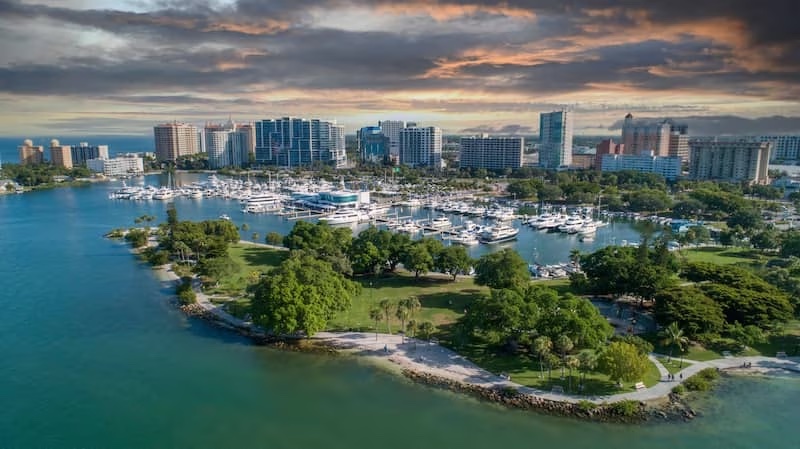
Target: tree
pixel 402 313
pixel 588 359
pixel 426 330
pixel 245 227
pixel 747 218
pixel 694 312
pixel 542 347
pixel 622 362
pixel 376 314
pixel 413 305
pixel 418 259
pixel 453 260
pixel 386 306
pixel 301 294
pixel 766 239
pixel 255 237
pixel 273 238
pixel 648 200
pixel 502 315
pixel 563 345
pixel 673 337
pixel 504 269
pixel 572 362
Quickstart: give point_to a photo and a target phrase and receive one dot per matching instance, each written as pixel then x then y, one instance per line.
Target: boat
pixel 498 234
pixel 263 202
pixel 572 224
pixel 465 238
pixel 163 194
pixel 441 223
pixel 343 216
pixel 225 217
pixel 409 227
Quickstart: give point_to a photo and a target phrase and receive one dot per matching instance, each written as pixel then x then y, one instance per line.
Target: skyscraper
pixel 373 145
pixel 174 140
pixel 391 129
pixel 421 147
pixel 492 153
pixel 784 148
pixel 644 137
pixel 60 155
pixel 292 142
pixel 731 159
pixel 30 154
pixel 84 152
pixel 555 139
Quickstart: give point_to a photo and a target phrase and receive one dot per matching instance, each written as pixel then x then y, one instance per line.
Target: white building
pixel 555 139
pixel 784 148
pixel 667 166
pixel 124 165
pixel 421 147
pixel 227 145
pixel 730 160
pixel 292 142
pixel 491 153
pixel 391 129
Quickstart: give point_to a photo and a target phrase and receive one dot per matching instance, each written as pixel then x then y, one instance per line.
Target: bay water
pixel 92 355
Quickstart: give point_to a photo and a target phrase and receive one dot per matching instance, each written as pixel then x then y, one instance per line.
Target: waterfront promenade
pixel 432 359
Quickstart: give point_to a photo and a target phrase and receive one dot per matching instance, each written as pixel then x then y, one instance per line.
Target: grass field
pixel 723 256
pixel 250 260
pixel 673 365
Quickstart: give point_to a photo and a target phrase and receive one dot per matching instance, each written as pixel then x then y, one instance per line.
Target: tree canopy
pixel 503 269
pixel 623 362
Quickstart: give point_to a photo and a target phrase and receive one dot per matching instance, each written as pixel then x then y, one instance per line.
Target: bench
pixel 780 354
pixel 726 354
pixel 639 386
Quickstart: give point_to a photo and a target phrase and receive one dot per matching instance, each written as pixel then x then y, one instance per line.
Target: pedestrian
pixel 385 348
pixel 681 374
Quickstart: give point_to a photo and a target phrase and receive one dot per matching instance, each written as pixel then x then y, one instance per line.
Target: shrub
pixel 587 406
pixel 136 237
pixel 625 408
pixel 702 381
pixel 157 258
pixel 185 292
pixel 679 389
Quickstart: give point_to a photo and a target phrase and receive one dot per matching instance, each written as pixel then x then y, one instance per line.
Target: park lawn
pixel 723 256
pixel 674 364
pixel 248 259
pixel 562 286
pixel 789 342
pixel 443 301
pixel 524 370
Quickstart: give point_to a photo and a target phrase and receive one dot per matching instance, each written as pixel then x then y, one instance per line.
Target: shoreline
pixel 434 365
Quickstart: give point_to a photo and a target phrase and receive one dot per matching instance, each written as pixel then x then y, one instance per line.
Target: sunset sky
pixel 77 67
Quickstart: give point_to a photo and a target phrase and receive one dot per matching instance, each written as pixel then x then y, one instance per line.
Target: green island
pixel 548 337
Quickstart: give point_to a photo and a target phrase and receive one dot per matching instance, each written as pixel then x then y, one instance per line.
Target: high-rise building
pixel 643 137
pixel 491 153
pixel 123 165
pixel 84 152
pixel 555 139
pixel 391 129
pixel 667 166
pixel 60 155
pixel 30 154
pixel 227 145
pixel 174 140
pixel 606 146
pixel 295 142
pixel 731 159
pixel 784 148
pixel 249 132
pixel 373 145
pixel 421 147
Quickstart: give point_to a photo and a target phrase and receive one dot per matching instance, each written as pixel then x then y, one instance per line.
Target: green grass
pixel 788 342
pixel 723 256
pixel 524 370
pixel 443 301
pixel 674 364
pixel 250 260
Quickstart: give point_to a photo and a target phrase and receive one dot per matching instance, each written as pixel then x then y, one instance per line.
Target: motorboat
pixel 225 217
pixel 263 202
pixel 441 223
pixel 343 216
pixel 572 225
pixel 498 234
pixel 408 227
pixel 465 238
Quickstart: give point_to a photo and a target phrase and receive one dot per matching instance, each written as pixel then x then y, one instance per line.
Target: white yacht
pixel 225 217
pixel 550 222
pixel 464 238
pixel 499 233
pixel 163 194
pixel 441 223
pixel 343 216
pixel 409 227
pixel 263 202
pixel 572 224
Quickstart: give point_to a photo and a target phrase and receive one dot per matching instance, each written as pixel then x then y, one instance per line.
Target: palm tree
pixel 256 237
pixel 575 256
pixel 572 362
pixel 426 330
pixel 564 346
pixel 673 336
pixel 401 312
pixel 413 305
pixel 386 305
pixel 588 360
pixel 412 330
pixel 542 346
pixel 376 315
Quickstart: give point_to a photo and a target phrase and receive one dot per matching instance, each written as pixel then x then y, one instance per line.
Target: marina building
pixel 84 152
pixel 373 145
pixel 491 153
pixel 124 165
pixel 292 142
pixel 29 153
pixel 731 160
pixel 227 145
pixel 60 155
pixel 555 139
pixel 391 129
pixel 421 147
pixel 784 148
pixel 174 140
pixel 667 166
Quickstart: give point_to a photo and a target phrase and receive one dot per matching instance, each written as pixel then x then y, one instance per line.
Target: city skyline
pixel 465 66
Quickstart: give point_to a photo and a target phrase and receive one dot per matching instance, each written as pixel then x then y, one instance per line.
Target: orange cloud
pixel 448 11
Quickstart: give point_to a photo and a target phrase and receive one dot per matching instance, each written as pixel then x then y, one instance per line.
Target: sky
pixel 73 67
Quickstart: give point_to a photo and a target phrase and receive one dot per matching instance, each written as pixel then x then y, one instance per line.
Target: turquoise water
pixel 93 356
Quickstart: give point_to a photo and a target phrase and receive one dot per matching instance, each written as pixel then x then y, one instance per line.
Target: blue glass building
pixel 373 145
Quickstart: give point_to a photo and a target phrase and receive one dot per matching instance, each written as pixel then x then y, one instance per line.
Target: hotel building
pixel 731 160
pixel 174 140
pixel 491 153
pixel 60 155
pixel 421 147
pixel 30 154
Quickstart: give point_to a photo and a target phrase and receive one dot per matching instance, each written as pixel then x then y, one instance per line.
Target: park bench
pixel 640 386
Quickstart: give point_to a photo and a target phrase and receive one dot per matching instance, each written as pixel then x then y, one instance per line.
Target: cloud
pixel 514 129
pixel 732 125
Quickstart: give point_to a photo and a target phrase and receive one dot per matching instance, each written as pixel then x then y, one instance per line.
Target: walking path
pixel 431 358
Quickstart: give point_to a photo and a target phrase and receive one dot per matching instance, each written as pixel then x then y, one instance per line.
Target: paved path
pixel 431 358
